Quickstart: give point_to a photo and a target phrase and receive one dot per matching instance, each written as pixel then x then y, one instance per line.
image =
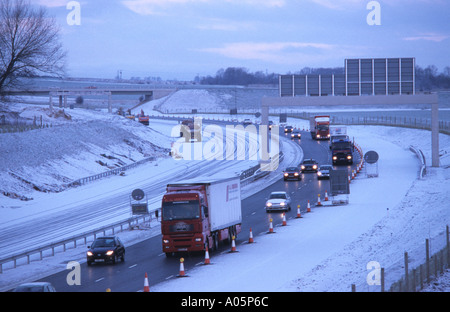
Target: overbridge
pixel 63 94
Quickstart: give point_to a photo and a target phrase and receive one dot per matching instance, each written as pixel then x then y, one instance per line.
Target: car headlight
pixel 296 174
pixel 319 173
pixel 349 157
pixel 286 174
pixel 282 203
pixel 334 157
pixel 303 167
pixel 89 254
pixel 315 167
pixel 110 252
pixel 269 204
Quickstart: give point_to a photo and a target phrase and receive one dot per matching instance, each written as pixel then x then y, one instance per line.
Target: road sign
pixel 339 182
pixel 371 157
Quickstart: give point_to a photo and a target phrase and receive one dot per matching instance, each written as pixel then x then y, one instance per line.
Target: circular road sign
pixel 138 194
pixel 371 157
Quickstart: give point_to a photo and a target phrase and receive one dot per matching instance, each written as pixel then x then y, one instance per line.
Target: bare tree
pixel 29 43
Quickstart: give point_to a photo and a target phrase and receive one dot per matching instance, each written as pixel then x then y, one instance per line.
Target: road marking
pixel 100 279
pixel 169 277
pixel 134 265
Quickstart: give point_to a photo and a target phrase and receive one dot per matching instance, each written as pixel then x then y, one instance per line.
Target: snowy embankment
pixel 327 250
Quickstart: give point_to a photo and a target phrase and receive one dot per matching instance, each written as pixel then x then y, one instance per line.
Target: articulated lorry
pixel 199 213
pixel 319 126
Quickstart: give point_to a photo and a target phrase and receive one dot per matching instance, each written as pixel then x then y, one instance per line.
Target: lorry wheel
pixel 169 255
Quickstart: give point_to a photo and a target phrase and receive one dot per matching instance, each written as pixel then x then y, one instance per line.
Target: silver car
pixel 324 172
pixel 278 201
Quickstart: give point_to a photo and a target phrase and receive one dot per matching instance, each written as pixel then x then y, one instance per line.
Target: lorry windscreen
pixel 322 127
pixel 181 210
pixel 341 145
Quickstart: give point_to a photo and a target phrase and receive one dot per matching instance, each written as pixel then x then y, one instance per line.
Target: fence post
pixel 406 273
pixel 382 280
pixel 427 251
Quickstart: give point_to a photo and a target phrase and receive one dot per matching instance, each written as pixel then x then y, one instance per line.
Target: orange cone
pixel 270 226
pixel 146 286
pixel 308 207
pixel 318 201
pixel 233 245
pixel 250 240
pixel 284 219
pixel 326 195
pixel 207 261
pixel 181 274
pixel 298 212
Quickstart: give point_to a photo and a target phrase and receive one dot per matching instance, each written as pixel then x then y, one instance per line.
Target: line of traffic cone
pixel 271 227
pixel 207 260
pixel 233 244
pixel 308 207
pixel 181 273
pixel 284 219
pixel 299 215
pixel 250 239
pixel 326 195
pixel 146 286
pixel 319 203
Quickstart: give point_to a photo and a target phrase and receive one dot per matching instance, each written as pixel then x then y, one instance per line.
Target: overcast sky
pixel 182 38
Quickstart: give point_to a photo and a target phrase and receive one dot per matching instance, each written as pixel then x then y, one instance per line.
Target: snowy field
pixel 386 216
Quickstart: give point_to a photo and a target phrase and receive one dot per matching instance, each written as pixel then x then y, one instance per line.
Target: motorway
pixel 147 256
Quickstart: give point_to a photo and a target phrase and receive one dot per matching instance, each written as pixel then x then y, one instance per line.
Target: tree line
pixel 427 79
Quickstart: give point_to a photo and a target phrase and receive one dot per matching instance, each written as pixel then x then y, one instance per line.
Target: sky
pixel 180 39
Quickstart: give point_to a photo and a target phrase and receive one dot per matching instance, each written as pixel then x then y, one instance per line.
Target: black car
pixel 292 173
pixel 288 129
pixel 106 249
pixel 309 165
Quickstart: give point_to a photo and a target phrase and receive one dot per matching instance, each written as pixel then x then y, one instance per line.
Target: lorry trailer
pixel 200 213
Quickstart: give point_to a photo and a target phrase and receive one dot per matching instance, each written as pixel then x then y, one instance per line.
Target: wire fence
pixel 417 269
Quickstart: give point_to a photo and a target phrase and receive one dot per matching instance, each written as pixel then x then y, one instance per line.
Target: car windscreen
pixel 180 210
pixel 291 169
pixel 103 242
pixel 282 196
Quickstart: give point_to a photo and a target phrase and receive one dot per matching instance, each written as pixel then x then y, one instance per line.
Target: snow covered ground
pixel 386 216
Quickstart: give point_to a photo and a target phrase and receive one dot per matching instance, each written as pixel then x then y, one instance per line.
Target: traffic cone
pixel 207 261
pixel 146 286
pixel 182 273
pixel 284 219
pixel 318 201
pixel 326 195
pixel 250 240
pixel 308 207
pixel 299 215
pixel 233 245
pixel 270 226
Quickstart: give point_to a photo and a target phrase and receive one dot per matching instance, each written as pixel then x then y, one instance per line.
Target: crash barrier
pixel 108 173
pixel 74 241
pixel 418 268
pixel 421 157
